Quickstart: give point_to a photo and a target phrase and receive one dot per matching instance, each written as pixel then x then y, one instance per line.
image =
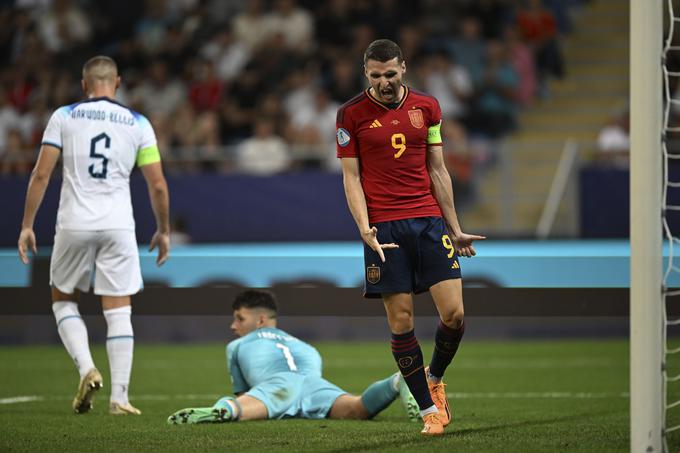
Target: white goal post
pixel 647 326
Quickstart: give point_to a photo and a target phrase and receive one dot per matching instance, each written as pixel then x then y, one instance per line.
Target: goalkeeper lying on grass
pixel 275 375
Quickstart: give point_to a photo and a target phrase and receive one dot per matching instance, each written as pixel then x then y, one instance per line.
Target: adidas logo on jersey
pixel 375 123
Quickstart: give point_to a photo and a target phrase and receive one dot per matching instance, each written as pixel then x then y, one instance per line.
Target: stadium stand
pixel 206 72
pixel 578 106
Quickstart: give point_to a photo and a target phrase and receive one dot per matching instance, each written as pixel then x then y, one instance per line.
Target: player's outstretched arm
pixel 443 193
pixel 158 194
pixel 40 178
pixel 356 201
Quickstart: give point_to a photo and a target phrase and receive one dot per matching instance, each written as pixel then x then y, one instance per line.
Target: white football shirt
pixel 100 141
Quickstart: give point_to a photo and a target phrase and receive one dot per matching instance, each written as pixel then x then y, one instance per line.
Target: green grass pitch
pixel 526 396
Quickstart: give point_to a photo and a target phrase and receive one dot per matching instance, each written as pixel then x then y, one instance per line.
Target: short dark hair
pixel 100 67
pixel 256 298
pixel 383 50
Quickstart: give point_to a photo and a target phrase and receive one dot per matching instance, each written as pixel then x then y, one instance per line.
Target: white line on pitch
pixel 499 363
pixel 536 395
pixel 20 399
pixel 190 396
pixel 149 397
pixel 455 395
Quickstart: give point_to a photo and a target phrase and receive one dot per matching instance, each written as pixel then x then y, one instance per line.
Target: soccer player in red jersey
pixel 400 195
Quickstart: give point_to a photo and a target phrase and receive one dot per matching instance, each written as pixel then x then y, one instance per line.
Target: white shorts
pixel 111 254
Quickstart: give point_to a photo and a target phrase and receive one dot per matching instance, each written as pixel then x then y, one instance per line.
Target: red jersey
pixel 391 145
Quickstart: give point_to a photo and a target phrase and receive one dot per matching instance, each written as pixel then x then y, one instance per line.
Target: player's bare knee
pixel 348 407
pixel 349 413
pixel 401 322
pixel 453 318
pixel 58 296
pixel 111 302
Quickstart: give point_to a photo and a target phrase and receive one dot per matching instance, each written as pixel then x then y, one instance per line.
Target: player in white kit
pixel 100 141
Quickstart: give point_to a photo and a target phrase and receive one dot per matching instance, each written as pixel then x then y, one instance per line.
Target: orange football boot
pixel 438 394
pixel 433 425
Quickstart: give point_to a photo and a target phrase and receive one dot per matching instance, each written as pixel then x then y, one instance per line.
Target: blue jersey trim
pixel 53 144
pixel 135 114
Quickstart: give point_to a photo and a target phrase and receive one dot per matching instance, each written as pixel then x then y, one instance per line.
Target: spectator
pixel 237 112
pixel 493 16
pixel 362 35
pixel 206 89
pixel 16 28
pixel 265 153
pixel 64 26
pixel 64 90
pixel 158 93
pixel 151 29
pixel 207 83
pixel 250 26
pixel 334 24
pixel 9 120
pixel 164 134
pixel 539 29
pixel 522 60
pixel 176 48
pixel 32 123
pixel 20 87
pixel 560 10
pixel 495 108
pixel 178 9
pixel 410 41
pixel 220 12
pixel 194 138
pixel 193 129
pixel 274 63
pixel 613 142
pixel 459 160
pixel 343 82
pixel 387 16
pixel 301 91
pixel 227 54
pixel 449 83
pixel 17 159
pixel 311 132
pixel 293 25
pixel 469 49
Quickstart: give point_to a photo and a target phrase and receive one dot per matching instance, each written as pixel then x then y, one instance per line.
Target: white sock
pixel 395 381
pixel 119 345
pixel 235 410
pixel 432 378
pixel 73 334
pixel 430 410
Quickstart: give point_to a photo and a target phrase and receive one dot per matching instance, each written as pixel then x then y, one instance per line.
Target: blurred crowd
pixel 254 85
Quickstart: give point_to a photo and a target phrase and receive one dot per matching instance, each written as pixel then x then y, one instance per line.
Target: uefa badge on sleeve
pixel 373 274
pixel 343 137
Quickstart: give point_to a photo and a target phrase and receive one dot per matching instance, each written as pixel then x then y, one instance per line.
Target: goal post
pixel 647 392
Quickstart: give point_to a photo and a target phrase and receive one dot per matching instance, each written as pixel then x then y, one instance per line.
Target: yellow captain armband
pixel 434 134
pixel 148 155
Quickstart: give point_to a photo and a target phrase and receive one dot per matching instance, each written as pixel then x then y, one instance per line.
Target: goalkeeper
pixel 275 375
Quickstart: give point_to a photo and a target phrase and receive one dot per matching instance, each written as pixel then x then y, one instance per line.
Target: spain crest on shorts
pixel 373 274
pixel 416 117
